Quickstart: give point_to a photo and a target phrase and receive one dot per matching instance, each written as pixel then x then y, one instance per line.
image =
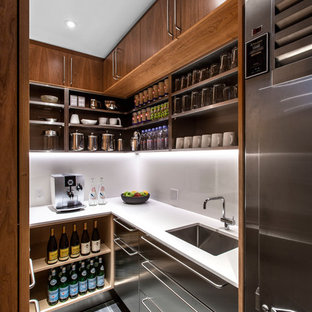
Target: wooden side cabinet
pixel 57 66
pixel 47 65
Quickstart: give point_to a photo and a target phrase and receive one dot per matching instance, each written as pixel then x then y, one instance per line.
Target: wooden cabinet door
pixel 189 13
pixel 128 54
pixel 154 31
pixel 108 71
pixel 47 65
pixel 85 72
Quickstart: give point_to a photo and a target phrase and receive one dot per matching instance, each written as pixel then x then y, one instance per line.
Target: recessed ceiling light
pixel 70 24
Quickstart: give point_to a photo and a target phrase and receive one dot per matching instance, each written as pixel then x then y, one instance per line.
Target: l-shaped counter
pixel 155 218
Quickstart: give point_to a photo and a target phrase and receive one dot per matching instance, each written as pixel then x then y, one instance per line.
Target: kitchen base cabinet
pixel 39 237
pixel 181 282
pixel 126 240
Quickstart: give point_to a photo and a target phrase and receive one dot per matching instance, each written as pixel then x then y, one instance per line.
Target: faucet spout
pixel 226 221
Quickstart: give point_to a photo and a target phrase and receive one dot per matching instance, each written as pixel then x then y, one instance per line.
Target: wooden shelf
pixel 46 104
pixel 148 123
pixel 206 82
pixel 41 265
pixel 48 123
pixel 205 149
pixel 98 110
pixel 96 126
pixel 45 307
pixel 159 101
pixel 206 109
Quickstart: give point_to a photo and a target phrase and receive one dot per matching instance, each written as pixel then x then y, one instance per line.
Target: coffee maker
pixel 67 192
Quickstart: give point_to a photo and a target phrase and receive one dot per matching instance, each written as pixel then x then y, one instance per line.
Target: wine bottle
pixel 100 274
pixel 64 288
pixel 64 246
pixel 53 288
pixel 85 241
pixel 52 251
pixel 91 277
pixel 82 279
pixel 73 282
pixel 96 240
pixel 74 243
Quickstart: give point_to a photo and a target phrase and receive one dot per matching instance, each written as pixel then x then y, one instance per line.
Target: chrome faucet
pixel 226 221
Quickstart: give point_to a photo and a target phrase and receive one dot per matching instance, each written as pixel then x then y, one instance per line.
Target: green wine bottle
pixel 100 274
pixel 53 288
pixel 91 277
pixel 64 288
pixel 73 282
pixel 82 279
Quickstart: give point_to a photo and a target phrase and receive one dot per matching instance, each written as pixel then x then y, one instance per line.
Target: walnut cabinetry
pixel 56 66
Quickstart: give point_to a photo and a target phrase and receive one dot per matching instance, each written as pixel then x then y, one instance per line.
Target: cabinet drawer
pixel 215 293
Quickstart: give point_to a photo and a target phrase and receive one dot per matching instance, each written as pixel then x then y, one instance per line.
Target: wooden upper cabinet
pixel 47 65
pixel 85 72
pixel 189 13
pixel 155 28
pixel 128 54
pixel 108 71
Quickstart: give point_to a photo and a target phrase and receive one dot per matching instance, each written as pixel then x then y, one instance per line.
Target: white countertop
pixel 155 218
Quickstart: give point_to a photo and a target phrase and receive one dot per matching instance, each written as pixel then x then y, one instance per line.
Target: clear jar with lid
pixel 50 140
pixel 148 114
pixel 143 115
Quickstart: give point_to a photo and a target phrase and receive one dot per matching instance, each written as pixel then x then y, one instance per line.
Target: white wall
pixel 197 175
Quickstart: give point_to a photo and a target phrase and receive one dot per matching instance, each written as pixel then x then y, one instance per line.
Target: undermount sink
pixel 205 239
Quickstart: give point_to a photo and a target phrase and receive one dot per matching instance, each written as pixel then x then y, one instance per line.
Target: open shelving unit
pixel 214 118
pixel 39 237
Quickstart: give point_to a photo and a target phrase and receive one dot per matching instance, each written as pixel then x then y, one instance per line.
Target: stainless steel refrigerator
pixel 278 155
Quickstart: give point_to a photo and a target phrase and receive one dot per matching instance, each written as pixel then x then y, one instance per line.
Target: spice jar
pixel 143 115
pixel 145 97
pixel 141 97
pixel 139 117
pixel 148 114
pixel 166 86
pixel 134 118
pixel 155 92
pixel 150 95
pixel 161 89
pixel 136 100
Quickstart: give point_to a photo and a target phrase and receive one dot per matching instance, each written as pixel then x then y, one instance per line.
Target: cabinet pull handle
pixel 64 69
pixel 123 225
pixel 116 66
pixel 32 275
pixel 218 286
pixel 71 71
pixel 159 279
pixel 134 252
pixel 175 16
pixel 113 64
pixel 281 310
pixel 115 76
pixel 147 308
pixel 36 303
pixel 168 30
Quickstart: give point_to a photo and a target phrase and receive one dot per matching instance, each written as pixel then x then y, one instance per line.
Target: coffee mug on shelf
pixel 196 142
pixel 74 119
pixel 206 140
pixel 114 121
pixel 103 121
pixel 216 139
pixel 187 142
pixel 228 138
pixel 179 143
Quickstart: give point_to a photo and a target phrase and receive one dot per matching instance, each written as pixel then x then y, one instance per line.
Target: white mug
pixel 74 119
pixel 216 140
pixel 188 142
pixel 114 121
pixel 228 138
pixel 206 140
pixel 196 143
pixel 179 143
pixel 103 120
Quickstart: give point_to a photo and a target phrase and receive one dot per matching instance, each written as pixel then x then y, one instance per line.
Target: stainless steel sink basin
pixel 205 239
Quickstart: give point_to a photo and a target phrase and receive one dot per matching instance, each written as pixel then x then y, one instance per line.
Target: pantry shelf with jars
pixel 197 100
pixel 71 261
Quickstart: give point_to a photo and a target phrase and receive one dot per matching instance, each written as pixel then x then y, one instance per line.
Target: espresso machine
pixel 67 192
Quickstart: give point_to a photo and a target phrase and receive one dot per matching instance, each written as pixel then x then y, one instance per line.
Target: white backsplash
pixel 196 176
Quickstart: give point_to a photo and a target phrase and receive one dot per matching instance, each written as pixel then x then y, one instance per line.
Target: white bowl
pixel 49 98
pixel 88 121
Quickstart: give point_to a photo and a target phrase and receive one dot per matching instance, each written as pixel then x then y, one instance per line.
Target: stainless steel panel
pixel 221 299
pixel 127 265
